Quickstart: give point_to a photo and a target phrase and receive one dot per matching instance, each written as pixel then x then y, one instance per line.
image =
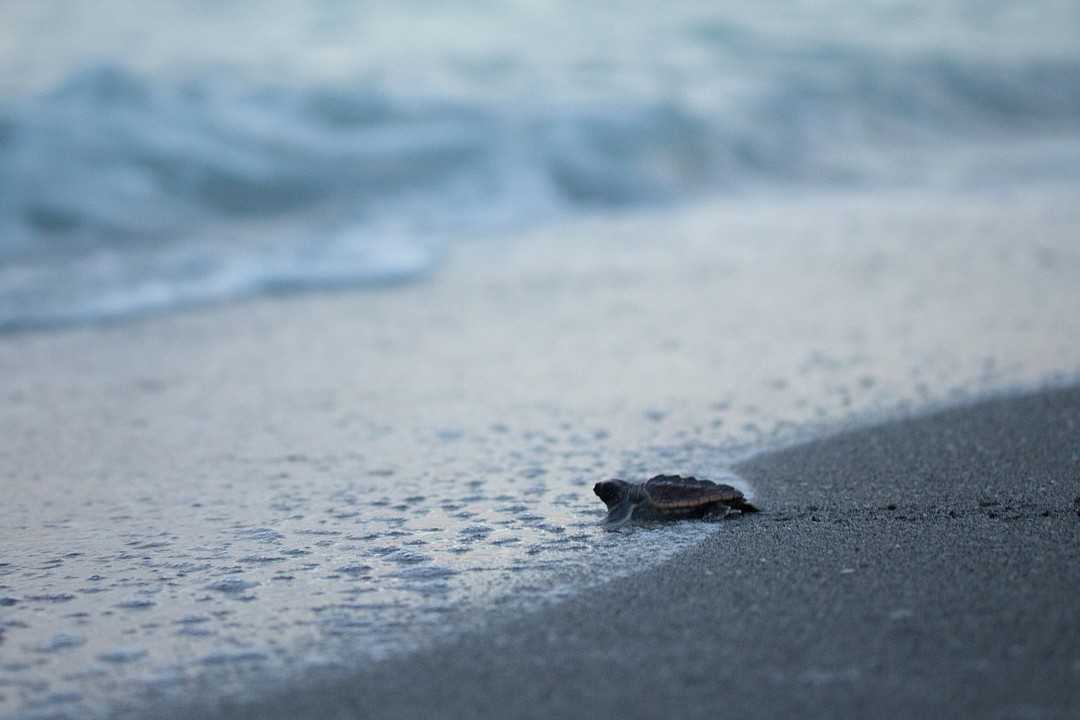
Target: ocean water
pixel 199 506
pixel 204 152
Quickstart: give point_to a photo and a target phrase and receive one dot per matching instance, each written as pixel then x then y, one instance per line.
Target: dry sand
pixel 927 568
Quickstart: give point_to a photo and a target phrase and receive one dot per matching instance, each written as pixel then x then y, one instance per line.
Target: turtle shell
pixel 675 492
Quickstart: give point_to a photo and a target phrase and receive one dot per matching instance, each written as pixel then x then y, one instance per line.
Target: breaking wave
pixel 121 194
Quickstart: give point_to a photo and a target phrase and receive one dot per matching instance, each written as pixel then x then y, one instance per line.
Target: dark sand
pixel 923 568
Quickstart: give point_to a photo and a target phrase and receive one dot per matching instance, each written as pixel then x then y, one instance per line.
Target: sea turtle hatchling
pixel 668 497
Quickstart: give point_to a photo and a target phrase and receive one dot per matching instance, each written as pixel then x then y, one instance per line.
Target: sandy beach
pixel 388 492
pixel 925 568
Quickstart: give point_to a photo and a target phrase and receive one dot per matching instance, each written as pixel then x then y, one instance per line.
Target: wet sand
pixel 923 568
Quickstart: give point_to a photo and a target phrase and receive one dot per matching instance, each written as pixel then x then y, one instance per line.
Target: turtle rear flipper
pixel 619 515
pixel 742 505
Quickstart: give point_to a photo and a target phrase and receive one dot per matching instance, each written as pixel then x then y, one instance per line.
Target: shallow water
pixel 227 591
pixel 272 569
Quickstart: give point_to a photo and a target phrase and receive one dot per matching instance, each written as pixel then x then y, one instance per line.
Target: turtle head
pixel 612 492
pixel 620 498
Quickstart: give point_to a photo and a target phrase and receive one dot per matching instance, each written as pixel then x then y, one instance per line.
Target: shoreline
pixel 204 500
pixel 921 568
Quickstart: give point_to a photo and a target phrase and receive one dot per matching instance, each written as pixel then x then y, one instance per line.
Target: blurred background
pixel 167 154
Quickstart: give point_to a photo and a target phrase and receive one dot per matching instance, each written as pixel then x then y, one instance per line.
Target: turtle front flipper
pixel 619 515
